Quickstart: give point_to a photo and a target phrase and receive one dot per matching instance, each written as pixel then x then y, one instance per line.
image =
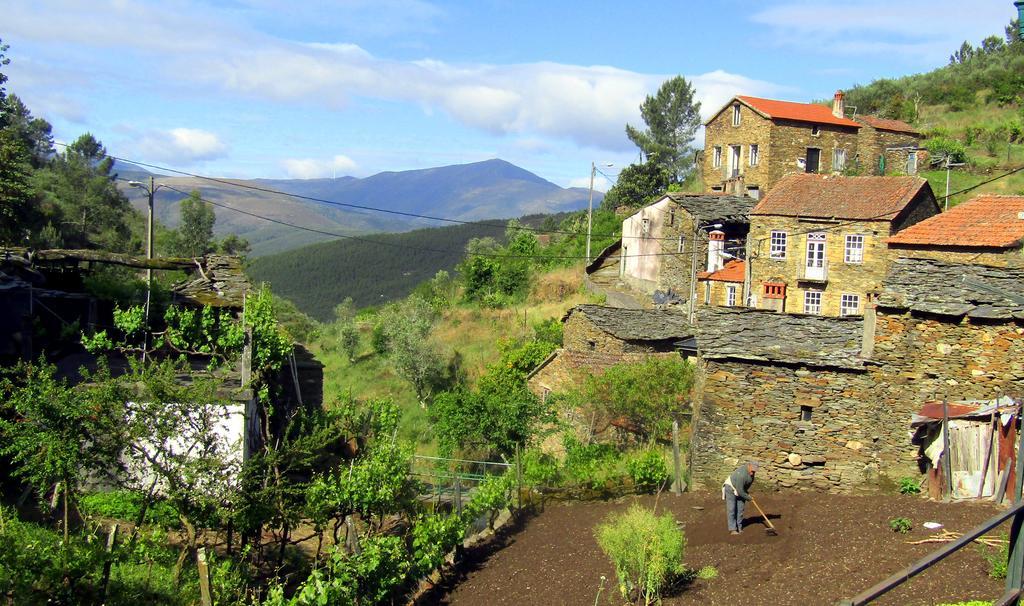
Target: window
pixel 849 305
pixel 681 241
pixel 716 158
pixel 544 395
pixel 912 163
pixel 754 154
pixel 754 192
pixel 805 413
pixel 645 226
pixel 774 290
pixel 707 293
pixel 730 295
pixel 672 216
pixel 778 245
pixel 736 114
pixel 839 159
pixel 854 248
pixel 812 302
pixel 592 345
pixel 734 160
pixel 815 130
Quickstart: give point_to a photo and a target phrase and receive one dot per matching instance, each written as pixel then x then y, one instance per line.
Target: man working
pixel 734 491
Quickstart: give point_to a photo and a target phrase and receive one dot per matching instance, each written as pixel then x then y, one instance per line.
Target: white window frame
pixel 707 293
pixel 735 160
pixel 777 245
pixel 736 118
pixel 838 159
pixel 716 157
pixel 730 295
pixel 812 302
pixel 816 132
pixel 853 249
pixel 682 241
pixel 754 154
pixel 912 162
pixel 849 304
pixel 645 226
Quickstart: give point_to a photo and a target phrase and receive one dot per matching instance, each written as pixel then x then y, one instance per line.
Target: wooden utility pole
pixel 677 484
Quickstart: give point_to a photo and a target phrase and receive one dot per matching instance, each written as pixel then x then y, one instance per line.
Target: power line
pixel 986 182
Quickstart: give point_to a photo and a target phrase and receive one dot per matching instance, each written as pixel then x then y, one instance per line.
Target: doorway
pixel 813 159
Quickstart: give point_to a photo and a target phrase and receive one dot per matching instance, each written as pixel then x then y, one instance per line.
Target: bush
pixel 591 465
pixel 901 525
pixel 939 147
pixel 707 573
pixel 491 496
pixel 548 331
pixel 125 505
pixel 539 469
pixel 647 551
pixel 433 537
pixel 909 486
pixel 997 561
pixel 648 470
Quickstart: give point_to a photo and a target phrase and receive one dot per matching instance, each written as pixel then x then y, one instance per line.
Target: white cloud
pixel 181 146
pixel 311 168
pixel 911 30
pixel 584 105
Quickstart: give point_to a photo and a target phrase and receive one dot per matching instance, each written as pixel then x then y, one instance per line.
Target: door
pixel 815 265
pixel 813 159
pixel 734 160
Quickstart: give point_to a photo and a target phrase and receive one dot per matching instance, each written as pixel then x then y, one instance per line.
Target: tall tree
pixel 195 235
pixel 34 133
pixel 672 117
pixel 17 196
pixel 80 184
pixel 3 61
pixel 638 185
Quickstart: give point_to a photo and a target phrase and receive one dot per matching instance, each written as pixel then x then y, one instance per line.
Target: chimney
pixel 716 246
pixel 837 103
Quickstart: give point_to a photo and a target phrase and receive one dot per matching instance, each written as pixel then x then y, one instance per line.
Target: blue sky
pixel 301 89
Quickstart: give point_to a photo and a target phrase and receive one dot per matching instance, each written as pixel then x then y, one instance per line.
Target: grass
pixel 467 330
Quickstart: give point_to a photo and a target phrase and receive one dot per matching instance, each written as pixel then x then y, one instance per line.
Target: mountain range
pixel 464 192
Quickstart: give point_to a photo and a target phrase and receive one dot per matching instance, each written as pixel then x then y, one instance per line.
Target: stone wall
pixel 994 257
pixel 791 139
pixel 843 278
pixel 715 293
pixel 874 143
pixel 581 334
pixel 843 430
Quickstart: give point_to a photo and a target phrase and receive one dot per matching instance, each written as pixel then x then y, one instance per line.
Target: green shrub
pixel 125 505
pixel 707 573
pixel 647 551
pixel 491 496
pixel 909 486
pixel 590 465
pixel 549 331
pixel 648 470
pixel 433 536
pixel 901 525
pixel 997 560
pixel 539 469
pixel 939 147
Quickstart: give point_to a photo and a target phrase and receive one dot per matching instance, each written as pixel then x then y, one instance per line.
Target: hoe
pixel 771 527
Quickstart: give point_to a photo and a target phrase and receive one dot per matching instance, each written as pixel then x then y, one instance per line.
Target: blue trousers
pixel 734 510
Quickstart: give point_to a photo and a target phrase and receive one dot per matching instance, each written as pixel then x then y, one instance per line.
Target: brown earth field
pixel 828 547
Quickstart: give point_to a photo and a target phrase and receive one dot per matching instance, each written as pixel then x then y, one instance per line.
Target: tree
pixel 80 184
pixel 672 118
pixel 4 60
pixel 406 328
pixel 195 234
pixel 34 133
pixel 232 244
pixel 348 337
pixel 17 196
pixel 638 185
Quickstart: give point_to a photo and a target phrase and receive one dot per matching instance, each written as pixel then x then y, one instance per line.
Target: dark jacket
pixel 741 481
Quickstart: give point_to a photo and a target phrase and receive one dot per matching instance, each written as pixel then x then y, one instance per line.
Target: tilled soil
pixel 828 547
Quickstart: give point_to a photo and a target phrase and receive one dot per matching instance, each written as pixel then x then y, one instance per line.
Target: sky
pixel 318 88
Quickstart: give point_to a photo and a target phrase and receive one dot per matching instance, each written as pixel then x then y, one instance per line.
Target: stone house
pixel 817 243
pixel 987 230
pixel 752 143
pixel 887 146
pixel 664 245
pixel 826 403
pixel 595 337
pixel 724 287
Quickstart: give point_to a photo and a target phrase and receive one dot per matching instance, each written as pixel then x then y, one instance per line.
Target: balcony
pixel 814 271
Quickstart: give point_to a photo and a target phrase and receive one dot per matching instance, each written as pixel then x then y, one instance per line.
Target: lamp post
pixel 150 192
pixel 590 203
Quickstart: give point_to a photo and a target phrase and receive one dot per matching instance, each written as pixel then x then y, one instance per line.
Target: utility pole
pixel 590 207
pixel 149 257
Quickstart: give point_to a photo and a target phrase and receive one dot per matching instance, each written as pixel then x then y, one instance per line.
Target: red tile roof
pixel 804 112
pixel 886 124
pixel 984 221
pixel 836 197
pixel 732 272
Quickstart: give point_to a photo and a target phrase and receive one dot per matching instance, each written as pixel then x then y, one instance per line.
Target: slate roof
pixel 636 324
pixel 985 221
pixel 768 336
pixel 897 126
pixel 788 110
pixel 838 197
pixel 708 207
pixel 954 289
pixel 595 361
pixel 733 271
pixel 219 281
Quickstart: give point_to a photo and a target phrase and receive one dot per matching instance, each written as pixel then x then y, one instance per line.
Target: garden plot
pixel 828 547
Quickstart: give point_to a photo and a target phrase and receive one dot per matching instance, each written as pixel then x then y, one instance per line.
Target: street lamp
pixel 590 203
pixel 151 192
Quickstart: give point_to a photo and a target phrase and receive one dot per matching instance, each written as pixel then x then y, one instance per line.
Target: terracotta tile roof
pixel 836 197
pixel 732 272
pixel 984 221
pixel 804 112
pixel 885 124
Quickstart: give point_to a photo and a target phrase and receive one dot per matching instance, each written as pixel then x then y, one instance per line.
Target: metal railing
pixel 1014 567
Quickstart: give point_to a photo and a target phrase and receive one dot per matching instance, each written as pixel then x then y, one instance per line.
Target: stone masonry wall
pixel 843 278
pixel 790 141
pixel 753 129
pixel 581 334
pixel 874 143
pixel 718 293
pixel 858 426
